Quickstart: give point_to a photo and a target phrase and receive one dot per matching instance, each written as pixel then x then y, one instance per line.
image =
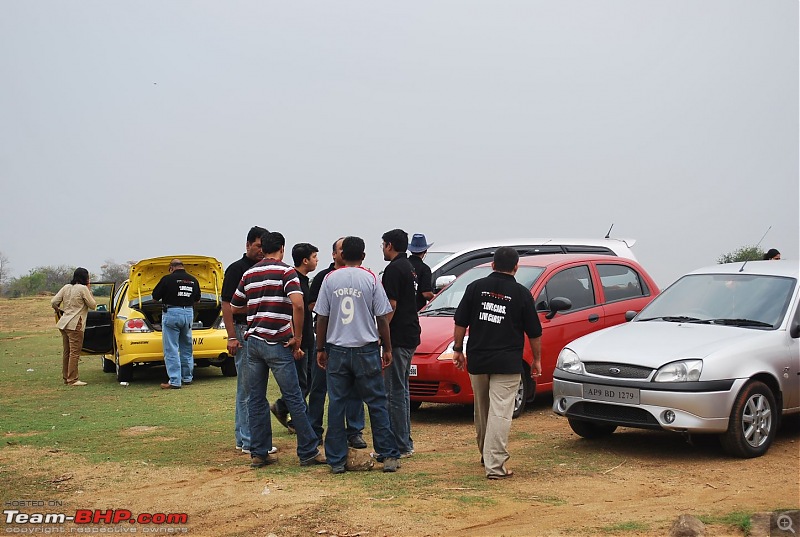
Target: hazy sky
pixel 137 129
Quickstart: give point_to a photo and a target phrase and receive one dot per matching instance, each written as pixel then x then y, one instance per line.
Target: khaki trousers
pixel 494 408
pixel 73 341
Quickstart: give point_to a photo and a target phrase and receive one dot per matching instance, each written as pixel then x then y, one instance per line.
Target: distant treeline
pixel 49 279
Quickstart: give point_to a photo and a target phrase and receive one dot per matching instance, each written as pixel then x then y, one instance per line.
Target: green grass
pixel 623 527
pixel 740 519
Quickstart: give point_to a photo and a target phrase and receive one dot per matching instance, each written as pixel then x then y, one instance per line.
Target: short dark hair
pixel 272 241
pixel 333 248
pixel 505 259
pixel 81 275
pixel 255 233
pixel 397 238
pixel 353 248
pixel 772 252
pixel 302 250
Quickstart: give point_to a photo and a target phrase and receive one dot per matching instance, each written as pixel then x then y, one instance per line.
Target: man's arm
pixel 322 335
pixel 458 347
pixel 536 347
pixel 386 339
pixel 298 317
pixel 227 316
pixel 390 315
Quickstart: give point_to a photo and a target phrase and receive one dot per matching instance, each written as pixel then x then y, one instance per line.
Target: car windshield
pixel 753 301
pixel 447 301
pixel 433 258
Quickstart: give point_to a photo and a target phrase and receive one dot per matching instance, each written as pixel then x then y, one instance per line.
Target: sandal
pixel 509 473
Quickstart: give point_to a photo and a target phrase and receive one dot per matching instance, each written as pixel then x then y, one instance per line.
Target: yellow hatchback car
pixel 129 327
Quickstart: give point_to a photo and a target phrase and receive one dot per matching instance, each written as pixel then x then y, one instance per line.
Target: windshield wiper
pixel 737 322
pixel 447 310
pixel 672 319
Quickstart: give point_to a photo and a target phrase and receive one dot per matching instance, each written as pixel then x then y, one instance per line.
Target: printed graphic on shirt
pixel 492 312
pixel 185 288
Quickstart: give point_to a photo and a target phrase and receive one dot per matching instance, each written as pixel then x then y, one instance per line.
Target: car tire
pixel 591 429
pixel 228 367
pixel 108 365
pixel 124 372
pixel 753 422
pixel 522 396
pixel 414 406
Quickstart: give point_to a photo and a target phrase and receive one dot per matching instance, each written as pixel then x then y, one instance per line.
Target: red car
pixel 574 295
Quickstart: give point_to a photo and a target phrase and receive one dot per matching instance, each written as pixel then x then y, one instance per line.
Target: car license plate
pixel 613 394
pixel 412 372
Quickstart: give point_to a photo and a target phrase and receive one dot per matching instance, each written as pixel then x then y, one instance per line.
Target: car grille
pixel 423 388
pixel 625 371
pixel 624 415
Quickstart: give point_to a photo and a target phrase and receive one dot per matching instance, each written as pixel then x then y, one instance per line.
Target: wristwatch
pixel 458 349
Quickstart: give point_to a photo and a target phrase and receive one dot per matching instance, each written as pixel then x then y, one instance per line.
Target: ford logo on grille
pixel 614 370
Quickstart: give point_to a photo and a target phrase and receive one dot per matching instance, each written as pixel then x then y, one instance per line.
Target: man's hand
pixel 322 359
pixel 233 346
pixel 459 360
pixel 536 369
pixel 386 358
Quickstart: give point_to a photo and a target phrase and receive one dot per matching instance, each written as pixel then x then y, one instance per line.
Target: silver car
pixel 716 352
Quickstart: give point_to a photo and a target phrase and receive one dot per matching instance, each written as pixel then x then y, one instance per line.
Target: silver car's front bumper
pixel 681 411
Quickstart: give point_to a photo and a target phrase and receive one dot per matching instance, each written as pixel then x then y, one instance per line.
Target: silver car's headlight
pixel 569 361
pixel 680 371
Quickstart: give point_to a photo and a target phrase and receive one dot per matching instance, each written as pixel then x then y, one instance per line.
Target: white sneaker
pixel 246 451
pixel 271 451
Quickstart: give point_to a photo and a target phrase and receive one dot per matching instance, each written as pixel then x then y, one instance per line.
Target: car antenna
pixel 608 235
pixel 757 245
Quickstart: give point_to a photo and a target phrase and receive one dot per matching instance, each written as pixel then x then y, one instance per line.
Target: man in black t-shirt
pixel 399 282
pixel 418 248
pixel 236 326
pixel 177 291
pixel 499 313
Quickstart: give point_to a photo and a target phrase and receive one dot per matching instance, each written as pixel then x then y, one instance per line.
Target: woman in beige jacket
pixel 73 301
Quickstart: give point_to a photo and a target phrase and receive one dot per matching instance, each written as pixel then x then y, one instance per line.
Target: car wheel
pixel 591 429
pixel 228 367
pixel 753 422
pixel 108 365
pixel 124 372
pixel 522 396
pixel 415 405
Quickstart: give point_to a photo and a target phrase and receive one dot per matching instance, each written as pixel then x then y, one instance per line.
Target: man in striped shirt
pixel 270 294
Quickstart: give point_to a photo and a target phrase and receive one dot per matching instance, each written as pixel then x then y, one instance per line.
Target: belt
pixel 182 307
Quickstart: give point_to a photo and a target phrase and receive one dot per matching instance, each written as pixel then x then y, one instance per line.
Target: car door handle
pixel 593 318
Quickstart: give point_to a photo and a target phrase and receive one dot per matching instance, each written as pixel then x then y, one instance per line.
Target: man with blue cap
pixel 419 247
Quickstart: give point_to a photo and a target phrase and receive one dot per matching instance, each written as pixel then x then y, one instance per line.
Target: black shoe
pixel 356 441
pixel 260 462
pixel 319 458
pixel 338 469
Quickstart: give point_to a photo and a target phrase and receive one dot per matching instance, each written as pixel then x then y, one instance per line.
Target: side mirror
pixel 443 281
pixel 557 304
pixel 794 328
pixel 630 314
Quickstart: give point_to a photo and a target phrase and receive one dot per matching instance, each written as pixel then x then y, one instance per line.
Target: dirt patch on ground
pixel 634 483
pixel 26 315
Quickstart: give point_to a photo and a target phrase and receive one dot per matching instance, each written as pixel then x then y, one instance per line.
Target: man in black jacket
pixel 178 291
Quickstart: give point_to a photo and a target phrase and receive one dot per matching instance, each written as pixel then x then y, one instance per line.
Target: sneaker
pixel 239 448
pixel 282 417
pixel 377 457
pixel 356 441
pixel 407 454
pixel 168 386
pixel 273 449
pixel 318 459
pixel 338 469
pixel 246 451
pixel 390 464
pixel 78 383
pixel 260 462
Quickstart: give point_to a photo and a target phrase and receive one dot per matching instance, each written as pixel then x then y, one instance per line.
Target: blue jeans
pixel 356 370
pixel 263 358
pixel 241 422
pixel 396 380
pixel 176 337
pixel 354 411
pixel 302 379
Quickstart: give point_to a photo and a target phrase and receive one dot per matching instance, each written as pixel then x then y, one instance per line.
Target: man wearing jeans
pixel 499 313
pixel 399 281
pixel 178 291
pixel 347 347
pixel 269 293
pixel 236 325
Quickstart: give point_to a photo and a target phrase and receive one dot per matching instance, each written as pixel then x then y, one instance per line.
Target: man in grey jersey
pixel 350 300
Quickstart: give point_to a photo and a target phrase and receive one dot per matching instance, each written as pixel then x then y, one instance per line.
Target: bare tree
pixel 5 269
pixel 115 272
